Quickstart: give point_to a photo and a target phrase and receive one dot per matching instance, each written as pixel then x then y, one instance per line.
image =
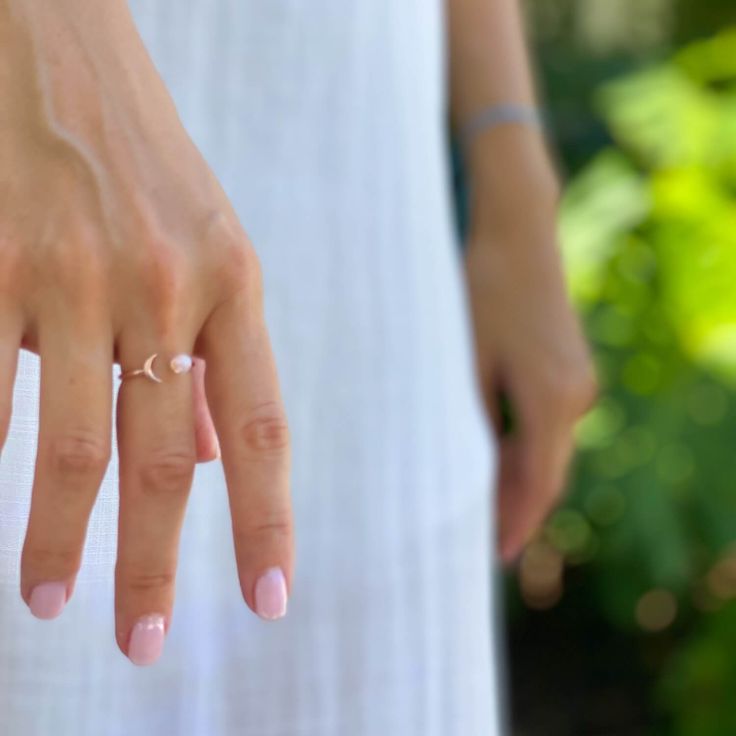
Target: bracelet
pixel 499 114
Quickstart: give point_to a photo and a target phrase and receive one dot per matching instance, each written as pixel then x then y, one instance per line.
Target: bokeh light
pixel 656 610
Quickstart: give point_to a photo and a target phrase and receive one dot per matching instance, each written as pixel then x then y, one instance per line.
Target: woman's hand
pixel 529 344
pixel 116 242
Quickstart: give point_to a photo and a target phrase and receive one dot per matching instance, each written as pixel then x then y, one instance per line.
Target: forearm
pixel 489 64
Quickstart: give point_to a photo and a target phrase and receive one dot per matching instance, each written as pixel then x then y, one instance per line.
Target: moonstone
pixel 181 363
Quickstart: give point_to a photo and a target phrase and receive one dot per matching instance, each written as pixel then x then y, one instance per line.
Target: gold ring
pixel 181 363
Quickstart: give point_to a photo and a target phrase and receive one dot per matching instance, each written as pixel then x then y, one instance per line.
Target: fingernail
pixel 218 454
pixel 48 600
pixel 271 594
pixel 147 639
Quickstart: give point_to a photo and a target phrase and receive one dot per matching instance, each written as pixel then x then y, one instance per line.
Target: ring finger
pixel 157 454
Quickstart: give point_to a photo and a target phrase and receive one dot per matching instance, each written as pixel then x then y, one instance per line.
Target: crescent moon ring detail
pixel 146 371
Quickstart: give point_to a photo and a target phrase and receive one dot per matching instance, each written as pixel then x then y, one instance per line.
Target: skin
pixel 529 343
pixel 117 241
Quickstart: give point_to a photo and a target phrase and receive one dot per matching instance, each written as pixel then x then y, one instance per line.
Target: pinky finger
pixel 10 341
pixel 205 436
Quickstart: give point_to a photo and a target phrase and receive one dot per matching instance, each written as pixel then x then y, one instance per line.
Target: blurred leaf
pixel 700 679
pixel 711 60
pixel 648 234
pixel 663 117
pixel 607 200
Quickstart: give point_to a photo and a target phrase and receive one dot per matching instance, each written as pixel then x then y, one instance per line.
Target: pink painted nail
pixel 48 600
pixel 147 639
pixel 271 594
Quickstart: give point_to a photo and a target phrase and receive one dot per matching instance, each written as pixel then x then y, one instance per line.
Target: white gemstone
pixel 181 363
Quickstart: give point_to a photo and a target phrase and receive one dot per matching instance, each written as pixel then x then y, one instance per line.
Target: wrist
pixel 514 186
pixel 514 154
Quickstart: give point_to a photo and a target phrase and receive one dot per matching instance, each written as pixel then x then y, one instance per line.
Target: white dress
pixel 327 132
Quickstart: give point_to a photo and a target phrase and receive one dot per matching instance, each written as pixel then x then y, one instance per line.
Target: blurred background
pixel 621 616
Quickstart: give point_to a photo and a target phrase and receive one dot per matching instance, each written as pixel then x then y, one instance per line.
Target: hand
pixel 529 349
pixel 117 241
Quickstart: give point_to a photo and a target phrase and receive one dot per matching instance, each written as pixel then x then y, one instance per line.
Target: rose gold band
pixel 181 363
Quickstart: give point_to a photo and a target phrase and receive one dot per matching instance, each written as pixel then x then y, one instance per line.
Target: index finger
pixel 247 410
pixel 534 461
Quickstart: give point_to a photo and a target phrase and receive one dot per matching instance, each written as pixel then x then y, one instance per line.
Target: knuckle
pixel 79 453
pixel 165 277
pixel 589 391
pixel 77 263
pixel 567 389
pixel 240 268
pixel 52 562
pixel 266 433
pixel 573 391
pixel 242 258
pixel 277 527
pixel 163 269
pixel 579 393
pixel 223 232
pixel 146 581
pixel 168 472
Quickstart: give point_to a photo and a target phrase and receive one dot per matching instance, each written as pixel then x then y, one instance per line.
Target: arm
pixel 489 64
pixel 529 345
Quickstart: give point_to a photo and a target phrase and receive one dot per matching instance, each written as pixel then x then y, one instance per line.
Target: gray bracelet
pixel 498 114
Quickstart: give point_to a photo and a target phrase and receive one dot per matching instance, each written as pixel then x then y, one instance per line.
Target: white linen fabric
pixel 325 122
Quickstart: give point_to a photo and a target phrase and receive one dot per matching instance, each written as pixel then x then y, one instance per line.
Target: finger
pixel 244 398
pixel 73 451
pixel 528 497
pixel 11 331
pixel 157 454
pixel 534 459
pixel 208 447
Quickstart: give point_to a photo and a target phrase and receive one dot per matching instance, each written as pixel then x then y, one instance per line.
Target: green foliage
pixel 699 685
pixel 649 238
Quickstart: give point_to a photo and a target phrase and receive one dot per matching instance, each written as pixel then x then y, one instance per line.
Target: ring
pixel 181 363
